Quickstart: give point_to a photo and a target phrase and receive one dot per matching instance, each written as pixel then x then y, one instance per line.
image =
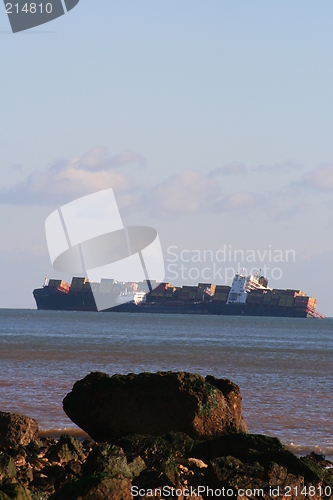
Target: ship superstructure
pixel 243 285
pixel 135 297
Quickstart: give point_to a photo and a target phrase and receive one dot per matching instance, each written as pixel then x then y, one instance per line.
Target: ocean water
pixel 283 366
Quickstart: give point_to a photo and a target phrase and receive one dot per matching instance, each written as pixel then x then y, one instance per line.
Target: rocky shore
pixel 163 435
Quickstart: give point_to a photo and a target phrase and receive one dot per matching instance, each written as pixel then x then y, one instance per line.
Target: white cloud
pixel 319 178
pixel 99 159
pixel 65 180
pixel 233 168
pixel 128 157
pixel 16 167
pixel 287 166
pixel 239 201
pixel 278 214
pixel 183 194
pixel 94 159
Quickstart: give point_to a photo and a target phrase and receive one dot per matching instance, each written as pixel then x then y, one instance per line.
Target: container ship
pixel 247 296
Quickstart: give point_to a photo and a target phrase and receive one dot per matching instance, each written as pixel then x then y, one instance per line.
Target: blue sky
pixel 211 120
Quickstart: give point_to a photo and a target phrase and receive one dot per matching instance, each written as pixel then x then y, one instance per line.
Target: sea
pixel 284 366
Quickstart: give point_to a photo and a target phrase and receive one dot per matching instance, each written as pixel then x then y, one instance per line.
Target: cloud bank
pixel 66 180
pixel 183 194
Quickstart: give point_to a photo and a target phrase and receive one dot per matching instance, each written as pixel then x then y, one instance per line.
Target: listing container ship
pixel 247 296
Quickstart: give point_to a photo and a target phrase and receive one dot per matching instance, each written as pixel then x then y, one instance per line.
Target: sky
pixel 211 120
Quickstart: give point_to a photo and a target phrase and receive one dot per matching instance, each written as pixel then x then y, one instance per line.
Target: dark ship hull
pixel 52 299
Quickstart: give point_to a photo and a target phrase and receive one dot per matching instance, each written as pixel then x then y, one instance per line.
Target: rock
pixel 154 404
pixel 196 463
pixel 157 453
pixel 108 459
pixel 65 469
pixel 231 392
pixel 74 468
pixel 7 467
pixel 318 467
pixel 26 475
pixel 54 472
pixel 296 483
pixel 14 492
pixel 106 474
pixel 136 467
pixel 16 430
pixel 154 448
pixel 41 482
pixel 96 487
pixel 65 450
pixel 263 450
pixel 229 472
pixel 276 474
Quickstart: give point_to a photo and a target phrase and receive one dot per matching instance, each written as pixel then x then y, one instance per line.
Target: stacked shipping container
pixel 221 293
pixel 282 298
pixel 61 285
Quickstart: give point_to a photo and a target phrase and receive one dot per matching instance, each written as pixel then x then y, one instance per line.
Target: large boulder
pixel 153 404
pixel 16 430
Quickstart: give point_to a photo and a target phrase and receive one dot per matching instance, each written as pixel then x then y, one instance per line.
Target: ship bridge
pixel 242 285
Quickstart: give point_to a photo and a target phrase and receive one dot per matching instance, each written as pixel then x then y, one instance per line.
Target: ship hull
pixel 53 300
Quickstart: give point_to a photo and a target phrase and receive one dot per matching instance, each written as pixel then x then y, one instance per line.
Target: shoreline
pixel 67 469
pixel 141 435
pixel 298 449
